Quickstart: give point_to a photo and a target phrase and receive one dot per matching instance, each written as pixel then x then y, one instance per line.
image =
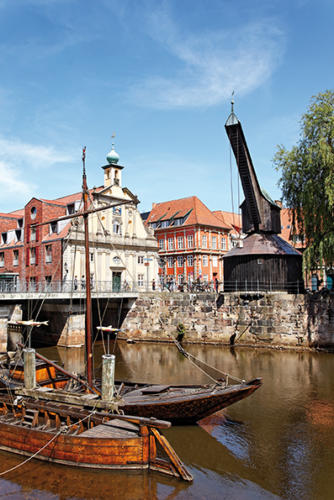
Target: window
pixel 165 223
pixel 116 261
pixel 70 210
pixel 178 222
pixel 91 256
pixel 170 261
pixel 180 279
pixel 18 234
pixel 117 211
pixel 32 283
pixel 260 261
pixel 162 244
pixel 215 260
pixel 180 242
pixel 204 242
pixel 48 280
pixel 190 240
pixel 140 280
pixel 54 227
pixel 20 223
pixel 190 260
pixel 206 278
pixel 140 259
pixel 214 242
pixel 2 259
pixel 15 257
pixel 33 234
pixel 205 260
pixel 33 212
pixel 116 228
pixel 48 254
pixel 179 261
pixel 223 243
pixel 32 255
pixel 170 243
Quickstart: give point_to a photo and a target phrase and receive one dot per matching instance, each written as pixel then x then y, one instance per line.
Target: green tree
pixel 307 181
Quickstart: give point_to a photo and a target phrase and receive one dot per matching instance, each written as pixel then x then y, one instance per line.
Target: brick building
pixel 122 250
pixel 192 240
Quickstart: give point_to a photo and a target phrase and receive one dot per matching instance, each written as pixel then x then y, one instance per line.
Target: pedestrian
pixel 75 282
pixel 83 282
pixel 216 284
pixel 153 284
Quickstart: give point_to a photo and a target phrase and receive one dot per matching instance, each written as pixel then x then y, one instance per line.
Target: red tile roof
pixel 231 219
pixel 198 212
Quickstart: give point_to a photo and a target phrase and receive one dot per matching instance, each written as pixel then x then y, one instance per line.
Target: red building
pixel 33 256
pixel 192 240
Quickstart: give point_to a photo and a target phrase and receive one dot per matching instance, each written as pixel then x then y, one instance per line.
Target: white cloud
pixel 213 64
pixel 17 152
pixel 11 183
pixel 17 161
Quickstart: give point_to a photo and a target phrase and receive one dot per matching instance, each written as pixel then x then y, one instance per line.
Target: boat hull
pixel 79 451
pixel 191 407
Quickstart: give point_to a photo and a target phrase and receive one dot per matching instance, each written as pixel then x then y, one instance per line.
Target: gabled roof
pixel 192 207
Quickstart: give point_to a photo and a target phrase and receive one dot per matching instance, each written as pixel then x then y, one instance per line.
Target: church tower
pixel 112 171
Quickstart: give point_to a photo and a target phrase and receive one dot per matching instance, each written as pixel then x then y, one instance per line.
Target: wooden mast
pixel 89 354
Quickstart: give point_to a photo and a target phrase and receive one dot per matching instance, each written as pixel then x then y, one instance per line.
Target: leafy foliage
pixel 307 181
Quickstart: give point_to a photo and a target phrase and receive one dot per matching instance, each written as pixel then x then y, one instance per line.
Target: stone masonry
pixel 276 318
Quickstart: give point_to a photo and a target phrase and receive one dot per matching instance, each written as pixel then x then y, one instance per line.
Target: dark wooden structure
pixel 263 260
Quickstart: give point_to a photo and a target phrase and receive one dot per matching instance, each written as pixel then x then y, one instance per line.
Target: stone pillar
pixel 3 334
pixel 73 333
pixel 29 368
pixel 14 334
pixel 108 375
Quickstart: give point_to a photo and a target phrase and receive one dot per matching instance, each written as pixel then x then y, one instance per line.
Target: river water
pixel 278 443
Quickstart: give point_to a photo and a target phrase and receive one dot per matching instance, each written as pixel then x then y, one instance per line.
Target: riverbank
pixel 261 319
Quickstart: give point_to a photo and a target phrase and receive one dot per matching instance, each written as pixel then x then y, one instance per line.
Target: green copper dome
pixel 112 156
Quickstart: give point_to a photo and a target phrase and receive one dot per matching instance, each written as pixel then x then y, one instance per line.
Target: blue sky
pixel 160 74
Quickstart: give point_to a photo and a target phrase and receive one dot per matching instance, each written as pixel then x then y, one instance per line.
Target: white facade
pixel 123 252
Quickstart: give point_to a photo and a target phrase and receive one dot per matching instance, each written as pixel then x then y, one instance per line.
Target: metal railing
pixel 198 286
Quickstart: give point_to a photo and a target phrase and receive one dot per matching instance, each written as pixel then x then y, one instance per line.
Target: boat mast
pixel 89 355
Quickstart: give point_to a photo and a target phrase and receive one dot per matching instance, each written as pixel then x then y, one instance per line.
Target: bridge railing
pixel 79 286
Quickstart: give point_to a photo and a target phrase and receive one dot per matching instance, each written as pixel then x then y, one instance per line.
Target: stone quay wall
pixel 238 318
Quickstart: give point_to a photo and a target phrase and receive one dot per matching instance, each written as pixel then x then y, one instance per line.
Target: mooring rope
pixel 189 356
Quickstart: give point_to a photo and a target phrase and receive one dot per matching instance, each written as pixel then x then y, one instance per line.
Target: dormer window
pixel 4 238
pixel 54 227
pixel 18 234
pixel 20 223
pixel 70 209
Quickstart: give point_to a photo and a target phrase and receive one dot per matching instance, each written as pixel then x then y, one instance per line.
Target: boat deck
pixel 115 429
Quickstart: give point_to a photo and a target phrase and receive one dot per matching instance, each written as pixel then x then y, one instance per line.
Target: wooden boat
pixel 82 438
pixel 180 404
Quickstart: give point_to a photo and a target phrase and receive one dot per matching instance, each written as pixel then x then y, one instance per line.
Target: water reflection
pixel 278 442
